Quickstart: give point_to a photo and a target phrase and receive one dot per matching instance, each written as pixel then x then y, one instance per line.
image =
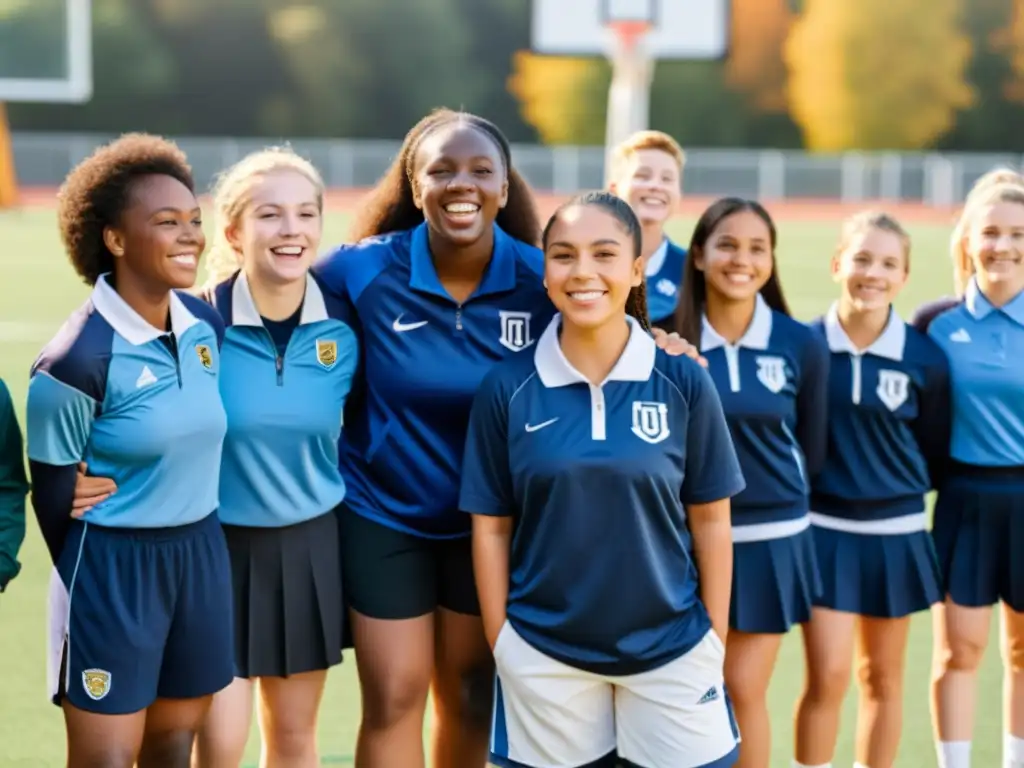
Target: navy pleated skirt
pixel 979 537
pixel 884 576
pixel 774 584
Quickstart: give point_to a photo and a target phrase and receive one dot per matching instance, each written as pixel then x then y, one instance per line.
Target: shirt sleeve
pixel 13 489
pixel 58 422
pixel 712 469
pixel 486 478
pixel 934 423
pixel 812 405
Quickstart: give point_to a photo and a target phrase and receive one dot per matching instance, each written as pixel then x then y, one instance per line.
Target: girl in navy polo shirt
pixel 771 373
pixel 445 281
pixel 888 425
pixel 598 471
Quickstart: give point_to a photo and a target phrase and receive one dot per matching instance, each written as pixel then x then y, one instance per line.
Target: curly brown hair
pixel 390 206
pixel 96 192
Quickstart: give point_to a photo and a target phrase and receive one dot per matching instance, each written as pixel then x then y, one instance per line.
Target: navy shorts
pixel 138 614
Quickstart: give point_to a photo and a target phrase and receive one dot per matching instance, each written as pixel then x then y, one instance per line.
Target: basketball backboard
pixel 680 29
pixel 45 50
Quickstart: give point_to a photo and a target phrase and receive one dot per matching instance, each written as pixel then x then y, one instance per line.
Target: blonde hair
pixel 642 140
pixel 864 221
pixel 231 195
pixel 999 186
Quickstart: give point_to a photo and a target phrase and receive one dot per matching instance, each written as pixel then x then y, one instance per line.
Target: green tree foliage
pixel 877 74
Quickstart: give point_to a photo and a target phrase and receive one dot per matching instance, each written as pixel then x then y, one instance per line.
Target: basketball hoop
pixel 626 36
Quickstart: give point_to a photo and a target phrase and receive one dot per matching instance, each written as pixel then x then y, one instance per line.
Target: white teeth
pixel 185 259
pixel 586 295
pixel 287 250
pixel 735 277
pixel 462 208
pixel 651 201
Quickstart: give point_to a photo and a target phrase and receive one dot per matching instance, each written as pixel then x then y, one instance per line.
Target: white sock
pixel 801 765
pixel 859 765
pixel 954 754
pixel 1013 751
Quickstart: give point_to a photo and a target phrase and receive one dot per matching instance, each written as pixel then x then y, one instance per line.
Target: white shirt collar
pixel 889 345
pixel 128 323
pixel 635 364
pixel 757 335
pixel 244 312
pixel 657 259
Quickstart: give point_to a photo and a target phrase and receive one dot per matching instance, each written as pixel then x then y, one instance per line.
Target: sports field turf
pixel 37 291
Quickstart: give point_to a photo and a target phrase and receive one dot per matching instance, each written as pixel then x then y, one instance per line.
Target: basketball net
pixel 629 95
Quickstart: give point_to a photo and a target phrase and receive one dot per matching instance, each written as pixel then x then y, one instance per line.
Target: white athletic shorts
pixel 550 715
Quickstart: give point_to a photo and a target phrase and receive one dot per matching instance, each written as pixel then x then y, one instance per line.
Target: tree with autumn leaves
pixel 877 74
pixel 870 74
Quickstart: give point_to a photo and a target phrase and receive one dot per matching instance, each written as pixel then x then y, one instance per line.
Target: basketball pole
pixel 629 96
pixel 8 178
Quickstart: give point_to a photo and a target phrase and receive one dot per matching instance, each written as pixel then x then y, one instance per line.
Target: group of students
pixel 481 452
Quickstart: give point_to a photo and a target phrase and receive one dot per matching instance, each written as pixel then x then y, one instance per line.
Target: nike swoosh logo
pixel 535 427
pixel 400 327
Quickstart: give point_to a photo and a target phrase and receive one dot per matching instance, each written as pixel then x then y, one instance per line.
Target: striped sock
pixel 954 754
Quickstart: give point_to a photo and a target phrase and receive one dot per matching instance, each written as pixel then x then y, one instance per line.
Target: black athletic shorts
pixel 390 574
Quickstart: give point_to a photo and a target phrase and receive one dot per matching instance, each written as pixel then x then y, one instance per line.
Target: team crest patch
pixel 893 388
pixel 515 330
pixel 205 356
pixel 326 353
pixel 650 421
pixel 96 683
pixel 771 372
pixel 666 287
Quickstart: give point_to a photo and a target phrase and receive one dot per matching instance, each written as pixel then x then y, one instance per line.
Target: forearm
pixel 492 542
pixel 53 493
pixel 12 533
pixel 712 544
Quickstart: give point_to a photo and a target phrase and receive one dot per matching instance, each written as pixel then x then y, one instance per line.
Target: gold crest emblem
pixel 326 353
pixel 205 356
pixel 96 683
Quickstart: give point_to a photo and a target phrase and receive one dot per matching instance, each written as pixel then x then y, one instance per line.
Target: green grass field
pixel 39 289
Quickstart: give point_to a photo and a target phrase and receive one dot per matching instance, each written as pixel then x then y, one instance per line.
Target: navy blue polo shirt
pixel 888 426
pixel 985 347
pixel 137 404
pixel 664 272
pixel 424 356
pixel 773 383
pixel 598 478
pixel 284 404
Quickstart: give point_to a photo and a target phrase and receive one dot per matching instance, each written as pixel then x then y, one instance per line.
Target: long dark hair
pixel 390 206
pixel 636 302
pixel 689 314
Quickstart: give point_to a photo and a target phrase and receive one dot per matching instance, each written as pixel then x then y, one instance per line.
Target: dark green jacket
pixel 13 489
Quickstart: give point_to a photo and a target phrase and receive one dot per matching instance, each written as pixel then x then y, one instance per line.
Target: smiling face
pixel 650 182
pixel 995 243
pixel 278 231
pixel 160 235
pixel 460 182
pixel 590 266
pixel 737 260
pixel 872 269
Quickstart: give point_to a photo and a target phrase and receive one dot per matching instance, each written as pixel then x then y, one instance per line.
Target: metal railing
pixel 43 159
